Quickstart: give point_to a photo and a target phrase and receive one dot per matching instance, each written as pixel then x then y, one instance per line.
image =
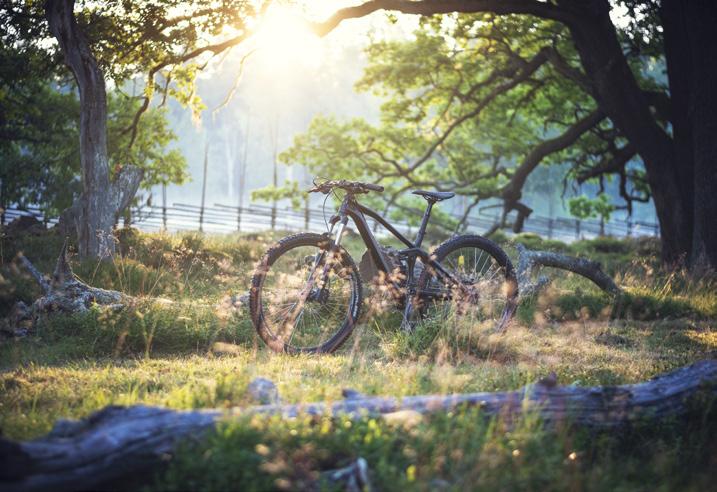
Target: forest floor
pixel 185 344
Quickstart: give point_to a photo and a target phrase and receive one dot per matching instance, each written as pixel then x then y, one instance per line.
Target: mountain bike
pixel 306 293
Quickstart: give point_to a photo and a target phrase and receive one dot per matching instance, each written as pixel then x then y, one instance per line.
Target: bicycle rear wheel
pixel 488 292
pixel 304 298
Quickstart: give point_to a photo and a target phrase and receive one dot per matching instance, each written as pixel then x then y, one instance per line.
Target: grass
pixel 456 451
pixel 186 344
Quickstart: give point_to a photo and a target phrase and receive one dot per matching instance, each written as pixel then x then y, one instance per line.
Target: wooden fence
pixel 227 218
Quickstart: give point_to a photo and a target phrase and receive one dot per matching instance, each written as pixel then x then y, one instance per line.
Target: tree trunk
pixel 121 441
pixel 95 212
pixel 691 54
pixel 618 94
pixel 678 75
pixel 702 16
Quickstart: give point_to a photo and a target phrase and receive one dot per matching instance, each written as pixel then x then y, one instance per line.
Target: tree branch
pixel 513 190
pixel 215 49
pixel 39 278
pixel 661 103
pixel 609 166
pixel 566 70
pixel 528 259
pixel 522 74
pixel 430 7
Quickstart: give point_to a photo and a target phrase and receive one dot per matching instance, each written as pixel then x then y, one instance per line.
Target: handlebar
pixel 354 187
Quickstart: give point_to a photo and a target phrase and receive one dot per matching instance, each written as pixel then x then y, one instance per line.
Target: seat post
pixel 424 223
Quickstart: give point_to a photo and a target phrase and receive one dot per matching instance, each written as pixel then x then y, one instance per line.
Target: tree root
pixel 529 259
pixel 119 441
pixel 64 292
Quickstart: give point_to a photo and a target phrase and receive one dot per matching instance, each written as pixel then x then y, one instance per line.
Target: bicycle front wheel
pixel 304 297
pixel 488 290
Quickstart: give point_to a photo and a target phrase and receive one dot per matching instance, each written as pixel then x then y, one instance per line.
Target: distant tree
pixel 36 124
pixel 40 162
pixel 673 134
pixel 116 40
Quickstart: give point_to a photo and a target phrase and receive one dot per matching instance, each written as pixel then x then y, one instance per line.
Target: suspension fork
pixel 408 321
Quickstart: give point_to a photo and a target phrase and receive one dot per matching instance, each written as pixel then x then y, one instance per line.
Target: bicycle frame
pixel 351 209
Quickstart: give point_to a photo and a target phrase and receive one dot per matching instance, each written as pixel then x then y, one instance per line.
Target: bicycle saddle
pixel 434 196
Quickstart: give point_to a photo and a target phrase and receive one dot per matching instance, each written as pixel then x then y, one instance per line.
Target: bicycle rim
pixel 485 296
pixel 307 297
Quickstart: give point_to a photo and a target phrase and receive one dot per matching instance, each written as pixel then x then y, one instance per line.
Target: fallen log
pixel 118 441
pixel 529 259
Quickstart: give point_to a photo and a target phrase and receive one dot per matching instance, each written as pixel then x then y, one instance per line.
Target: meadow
pixel 187 342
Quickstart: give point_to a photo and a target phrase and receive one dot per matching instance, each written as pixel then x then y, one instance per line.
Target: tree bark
pixel 121 441
pixel 691 54
pixel 527 260
pixel 619 96
pixel 94 213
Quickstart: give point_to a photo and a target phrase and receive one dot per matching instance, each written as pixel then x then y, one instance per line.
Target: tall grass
pixel 187 342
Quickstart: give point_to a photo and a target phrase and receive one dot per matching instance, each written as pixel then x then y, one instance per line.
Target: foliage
pixel 49 164
pixel 40 162
pixel 39 148
pixel 150 150
pixel 583 207
pixel 167 40
pixel 467 103
pixel 535 242
pixel 140 38
pixel 289 191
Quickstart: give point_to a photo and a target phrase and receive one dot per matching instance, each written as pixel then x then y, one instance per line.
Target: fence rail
pixel 253 218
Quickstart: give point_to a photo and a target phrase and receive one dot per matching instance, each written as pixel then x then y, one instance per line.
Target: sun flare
pixel 284 38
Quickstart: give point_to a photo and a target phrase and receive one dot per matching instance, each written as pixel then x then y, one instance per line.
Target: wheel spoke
pixel 317 296
pixel 484 279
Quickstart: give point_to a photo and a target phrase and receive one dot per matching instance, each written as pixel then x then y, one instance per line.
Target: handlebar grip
pixel 373 187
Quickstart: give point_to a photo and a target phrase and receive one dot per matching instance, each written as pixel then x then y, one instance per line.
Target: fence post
pixel 550 228
pixel 577 228
pixel 306 213
pixel 629 227
pixel 164 207
pixel 239 218
pixel 204 187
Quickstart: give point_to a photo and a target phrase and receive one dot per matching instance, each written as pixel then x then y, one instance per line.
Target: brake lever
pixel 319 189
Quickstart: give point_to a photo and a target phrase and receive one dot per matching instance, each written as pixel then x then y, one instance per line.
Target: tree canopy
pixel 113 42
pixel 473 104
pixel 616 45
